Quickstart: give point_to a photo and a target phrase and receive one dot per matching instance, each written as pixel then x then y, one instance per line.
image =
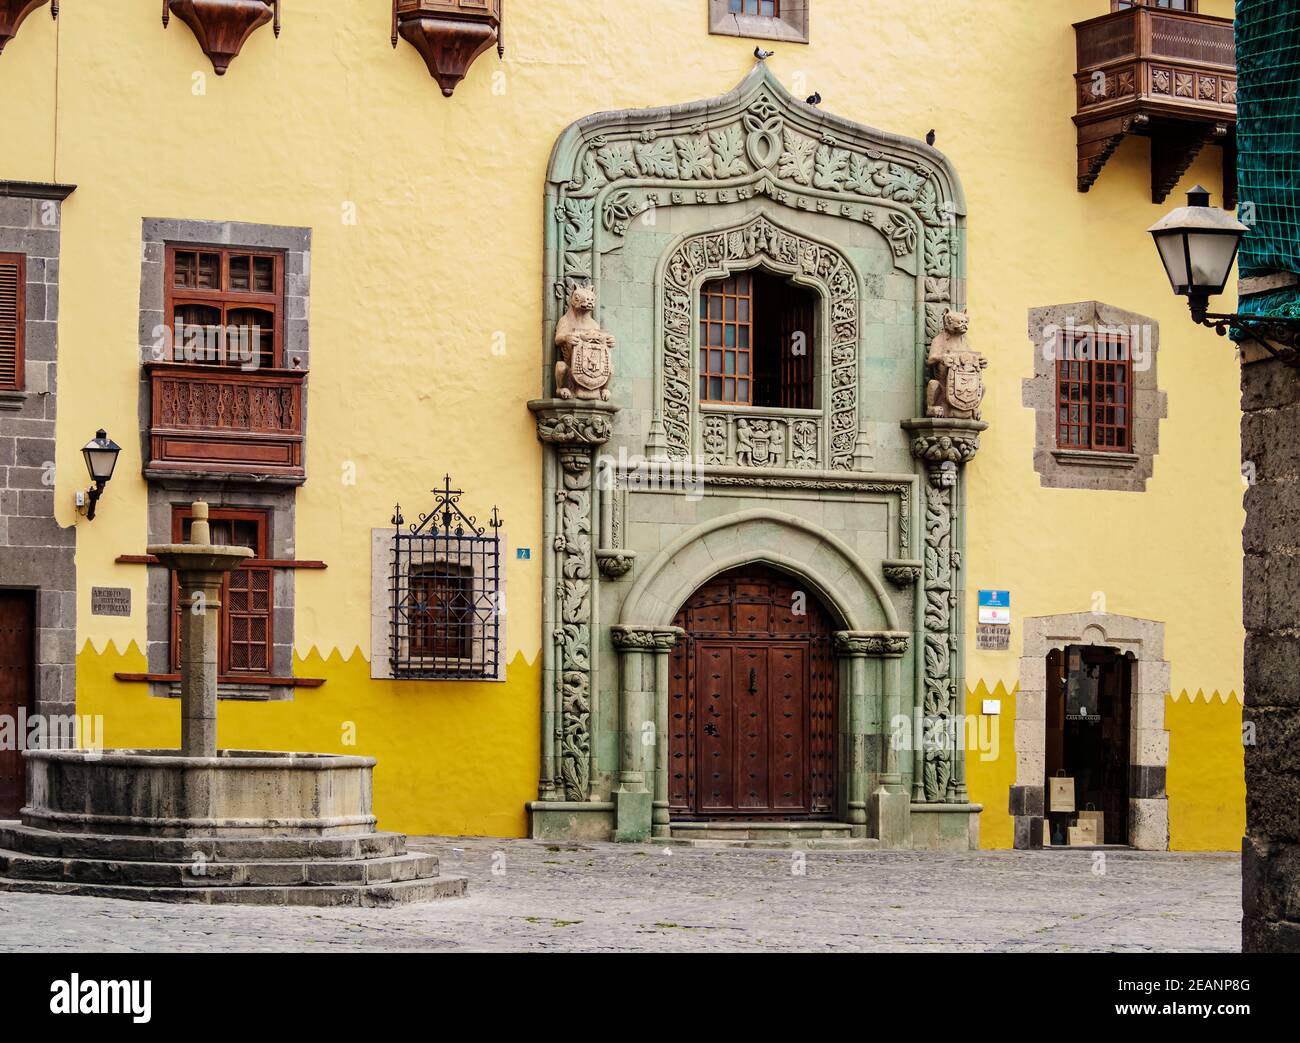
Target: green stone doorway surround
pixel 651 494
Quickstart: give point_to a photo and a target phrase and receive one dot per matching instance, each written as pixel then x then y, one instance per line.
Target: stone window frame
pixel 167 491
pixel 1144 641
pixel 1067 468
pixel 278 505
pixel 790 26
pixel 381 634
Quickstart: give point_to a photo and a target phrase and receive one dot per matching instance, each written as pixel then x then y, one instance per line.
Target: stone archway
pixel 870 794
pixel 1143 639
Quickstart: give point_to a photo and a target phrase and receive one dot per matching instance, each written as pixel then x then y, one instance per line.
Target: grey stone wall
pixel 36 553
pixel 1270 448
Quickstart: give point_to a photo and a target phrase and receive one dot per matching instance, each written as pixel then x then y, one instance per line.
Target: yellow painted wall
pixel 444 262
pixel 991 763
pixel 1206 779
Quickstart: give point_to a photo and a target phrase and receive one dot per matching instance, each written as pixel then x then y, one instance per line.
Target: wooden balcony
pixel 213 421
pixel 1167 75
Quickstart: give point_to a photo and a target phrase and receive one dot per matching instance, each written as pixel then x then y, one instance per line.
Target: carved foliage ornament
pixel 715 253
pixel 757 140
pixel 12 13
pixel 222 27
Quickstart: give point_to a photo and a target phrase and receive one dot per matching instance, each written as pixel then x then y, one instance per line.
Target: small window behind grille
pixel 445 584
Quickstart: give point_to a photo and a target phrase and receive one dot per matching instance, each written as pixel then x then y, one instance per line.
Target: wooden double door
pixel 751 702
pixel 17 690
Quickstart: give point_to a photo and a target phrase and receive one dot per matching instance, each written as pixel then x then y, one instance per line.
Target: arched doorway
pixel 751 701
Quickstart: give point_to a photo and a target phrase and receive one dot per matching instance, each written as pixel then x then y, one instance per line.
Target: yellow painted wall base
pixel 1205 780
pixel 1207 772
pixel 458 758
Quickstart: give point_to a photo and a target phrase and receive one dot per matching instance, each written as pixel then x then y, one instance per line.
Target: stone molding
pixel 1067 468
pixel 786 541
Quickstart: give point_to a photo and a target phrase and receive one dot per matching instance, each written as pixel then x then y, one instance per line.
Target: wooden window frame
pixel 1084 373
pixel 722 293
pixel 180 515
pixel 225 299
pixel 19 381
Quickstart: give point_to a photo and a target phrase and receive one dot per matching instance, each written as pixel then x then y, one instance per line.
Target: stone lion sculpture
pixel 585 366
pixel 957 389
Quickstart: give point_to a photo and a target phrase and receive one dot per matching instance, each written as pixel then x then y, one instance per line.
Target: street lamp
pixel 100 454
pixel 1198 245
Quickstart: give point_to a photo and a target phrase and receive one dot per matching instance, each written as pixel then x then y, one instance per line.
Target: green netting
pixel 1268 142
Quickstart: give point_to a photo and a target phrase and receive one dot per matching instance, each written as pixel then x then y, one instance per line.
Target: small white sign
pixel 992 707
pixel 995 607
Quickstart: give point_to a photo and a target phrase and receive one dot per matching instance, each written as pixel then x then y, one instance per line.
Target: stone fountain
pixel 200 824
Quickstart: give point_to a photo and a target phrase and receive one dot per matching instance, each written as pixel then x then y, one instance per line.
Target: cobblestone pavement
pixel 529 895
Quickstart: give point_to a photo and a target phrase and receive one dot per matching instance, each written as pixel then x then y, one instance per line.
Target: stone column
pixel 199 568
pixel 943 446
pixel 873 694
pixel 571 430
pixel 643 730
pixel 665 638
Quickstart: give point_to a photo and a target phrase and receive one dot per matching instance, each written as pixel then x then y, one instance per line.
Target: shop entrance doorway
pixel 1089 695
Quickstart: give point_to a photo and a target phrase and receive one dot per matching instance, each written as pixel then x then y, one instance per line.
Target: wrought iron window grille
pixel 445 590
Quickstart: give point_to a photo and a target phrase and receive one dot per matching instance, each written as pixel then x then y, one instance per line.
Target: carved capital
pixel 937 441
pixel 614 564
pixel 902 573
pixel 573 423
pixel 643 638
pixel 876 643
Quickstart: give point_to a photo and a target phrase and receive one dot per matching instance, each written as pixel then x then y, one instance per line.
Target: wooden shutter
pixel 13 307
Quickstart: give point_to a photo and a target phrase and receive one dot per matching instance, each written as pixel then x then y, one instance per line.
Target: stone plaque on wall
pixel 110 601
pixel 992 637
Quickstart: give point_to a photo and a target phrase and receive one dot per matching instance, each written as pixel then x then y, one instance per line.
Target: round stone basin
pixel 238 793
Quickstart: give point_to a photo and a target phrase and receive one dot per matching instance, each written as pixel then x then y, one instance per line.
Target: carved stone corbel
pixel 902 572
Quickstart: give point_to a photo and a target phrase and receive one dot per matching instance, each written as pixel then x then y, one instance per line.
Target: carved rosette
pixel 572 431
pixel 942 445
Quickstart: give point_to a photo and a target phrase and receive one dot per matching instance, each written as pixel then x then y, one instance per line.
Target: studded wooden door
pixel 752 702
pixel 16 691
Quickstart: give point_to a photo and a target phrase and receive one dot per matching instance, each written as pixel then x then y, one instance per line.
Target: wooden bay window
pixel 226 306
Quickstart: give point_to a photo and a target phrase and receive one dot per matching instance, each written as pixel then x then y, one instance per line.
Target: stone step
pixel 203 873
pixel 364 895
pixel 787 830
pixel 776 835
pixel 777 843
pixel 16 837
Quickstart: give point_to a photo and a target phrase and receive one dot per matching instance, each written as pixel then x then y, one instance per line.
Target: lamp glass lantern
pixel 100 454
pixel 1198 245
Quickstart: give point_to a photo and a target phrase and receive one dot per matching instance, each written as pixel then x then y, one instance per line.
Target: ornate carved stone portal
pixel 655 490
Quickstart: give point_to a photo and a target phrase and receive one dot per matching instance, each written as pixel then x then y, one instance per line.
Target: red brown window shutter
pixel 13 315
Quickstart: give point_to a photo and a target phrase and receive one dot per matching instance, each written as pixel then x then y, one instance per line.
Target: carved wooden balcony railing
pixel 449 34
pixel 12 13
pixel 1167 75
pixel 215 421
